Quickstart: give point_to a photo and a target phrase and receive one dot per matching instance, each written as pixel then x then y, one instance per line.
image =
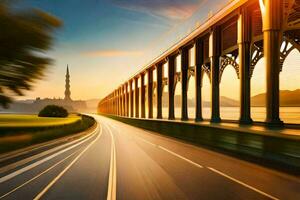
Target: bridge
pixel 239 35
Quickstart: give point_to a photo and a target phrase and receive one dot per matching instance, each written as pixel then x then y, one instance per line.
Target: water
pixel 287 114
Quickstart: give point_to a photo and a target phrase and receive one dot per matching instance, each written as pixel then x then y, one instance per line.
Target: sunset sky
pixel 105 41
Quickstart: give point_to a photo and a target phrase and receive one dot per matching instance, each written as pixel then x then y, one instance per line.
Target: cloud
pixel 172 9
pixel 113 53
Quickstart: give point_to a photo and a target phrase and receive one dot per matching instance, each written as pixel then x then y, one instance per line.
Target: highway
pixel 119 161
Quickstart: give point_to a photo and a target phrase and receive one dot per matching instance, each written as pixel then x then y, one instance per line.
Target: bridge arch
pixel 231 61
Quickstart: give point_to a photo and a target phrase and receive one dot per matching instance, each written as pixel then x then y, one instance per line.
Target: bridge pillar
pixel 123 101
pixel 119 102
pixel 126 100
pixel 136 89
pixel 214 54
pixel 131 98
pixel 198 78
pixel 143 106
pixel 159 89
pixel 184 83
pixel 272 14
pixel 150 93
pixel 171 85
pixel 116 102
pixel 244 38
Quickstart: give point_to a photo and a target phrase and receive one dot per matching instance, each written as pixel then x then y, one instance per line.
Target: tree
pixel 25 36
pixel 53 111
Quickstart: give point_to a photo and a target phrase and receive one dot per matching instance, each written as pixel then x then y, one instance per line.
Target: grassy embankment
pixel 18 131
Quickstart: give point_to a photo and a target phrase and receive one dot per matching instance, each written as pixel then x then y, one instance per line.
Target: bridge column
pixel 150 93
pixel 184 83
pixel 272 12
pixel 159 89
pixel 198 78
pixel 119 102
pixel 126 100
pixel 123 101
pixel 244 38
pixel 116 102
pixel 131 98
pixel 214 53
pixel 143 92
pixel 171 84
pixel 110 106
pixel 136 89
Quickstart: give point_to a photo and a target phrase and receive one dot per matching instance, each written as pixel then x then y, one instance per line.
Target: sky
pixel 104 42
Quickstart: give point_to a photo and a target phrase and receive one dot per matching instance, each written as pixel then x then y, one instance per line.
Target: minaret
pixel 67 89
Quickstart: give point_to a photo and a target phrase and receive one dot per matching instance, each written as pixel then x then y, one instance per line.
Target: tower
pixel 67 89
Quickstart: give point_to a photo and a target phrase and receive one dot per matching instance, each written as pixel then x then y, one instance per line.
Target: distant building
pixel 67 102
pixel 33 106
pixel 67 86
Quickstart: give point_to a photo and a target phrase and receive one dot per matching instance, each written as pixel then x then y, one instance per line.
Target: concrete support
pixel 126 100
pixel 143 94
pixel 123 101
pixel 121 96
pixel 272 12
pixel 116 102
pixel 150 93
pixel 171 86
pixel 198 78
pixel 244 37
pixel 214 51
pixel 119 102
pixel 159 90
pixel 136 89
pixel 131 98
pixel 184 83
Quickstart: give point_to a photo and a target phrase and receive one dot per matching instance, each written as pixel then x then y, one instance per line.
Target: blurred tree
pixel 25 36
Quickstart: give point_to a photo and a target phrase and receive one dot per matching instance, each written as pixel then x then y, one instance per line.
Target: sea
pixel 287 114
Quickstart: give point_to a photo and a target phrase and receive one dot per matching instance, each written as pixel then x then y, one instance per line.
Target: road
pixel 118 161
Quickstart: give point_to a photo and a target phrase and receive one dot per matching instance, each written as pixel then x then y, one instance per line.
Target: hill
pixel 288 98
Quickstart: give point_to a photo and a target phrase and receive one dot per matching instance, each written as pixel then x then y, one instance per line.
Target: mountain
pixel 288 98
pixel 224 101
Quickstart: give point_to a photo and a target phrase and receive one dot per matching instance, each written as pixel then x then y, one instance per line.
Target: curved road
pixel 118 161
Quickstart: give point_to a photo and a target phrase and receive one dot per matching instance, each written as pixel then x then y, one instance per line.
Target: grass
pixel 29 129
pixel 13 120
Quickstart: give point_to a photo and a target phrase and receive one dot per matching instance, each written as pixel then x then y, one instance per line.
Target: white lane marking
pixel 37 176
pixel 243 184
pixel 179 156
pixel 112 190
pixel 20 171
pixel 169 151
pixel 67 168
pixel 212 169
pixel 37 156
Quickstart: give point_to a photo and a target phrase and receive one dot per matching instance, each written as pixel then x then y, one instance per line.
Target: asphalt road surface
pixel 118 161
